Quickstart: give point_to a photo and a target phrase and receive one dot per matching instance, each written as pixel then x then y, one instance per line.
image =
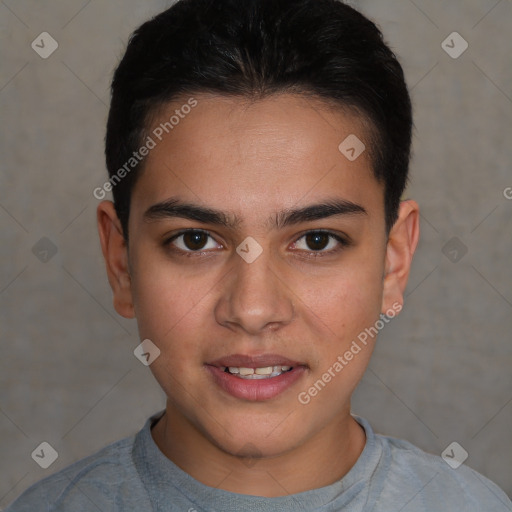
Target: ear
pixel 402 242
pixel 115 252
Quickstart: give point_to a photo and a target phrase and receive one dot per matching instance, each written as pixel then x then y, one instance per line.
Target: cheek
pixel 165 300
pixel 339 313
pixel 345 300
pixel 169 309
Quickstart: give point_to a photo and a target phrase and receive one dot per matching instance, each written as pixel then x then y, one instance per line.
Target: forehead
pixel 231 153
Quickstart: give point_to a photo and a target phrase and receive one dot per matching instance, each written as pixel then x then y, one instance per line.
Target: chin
pixel 245 438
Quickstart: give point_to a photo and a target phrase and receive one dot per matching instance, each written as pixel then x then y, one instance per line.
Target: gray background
pixel 441 372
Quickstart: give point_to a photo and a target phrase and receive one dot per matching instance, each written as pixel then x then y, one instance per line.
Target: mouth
pixel 255 378
pixel 265 372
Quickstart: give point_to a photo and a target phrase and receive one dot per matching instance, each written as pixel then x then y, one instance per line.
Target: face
pixel 257 256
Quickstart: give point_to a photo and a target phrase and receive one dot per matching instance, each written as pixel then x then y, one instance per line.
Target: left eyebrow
pixel 318 211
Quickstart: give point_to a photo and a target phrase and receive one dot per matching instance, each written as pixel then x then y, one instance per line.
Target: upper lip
pixel 256 361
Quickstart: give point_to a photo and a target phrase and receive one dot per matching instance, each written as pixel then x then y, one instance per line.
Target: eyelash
pixel 342 243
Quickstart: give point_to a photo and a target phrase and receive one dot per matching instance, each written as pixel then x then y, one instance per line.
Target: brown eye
pixel 317 241
pixel 195 240
pixel 321 243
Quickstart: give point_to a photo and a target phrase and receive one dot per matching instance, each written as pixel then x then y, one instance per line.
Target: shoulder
pixel 99 482
pixel 427 482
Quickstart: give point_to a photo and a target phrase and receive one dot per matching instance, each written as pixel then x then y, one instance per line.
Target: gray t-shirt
pixel 134 475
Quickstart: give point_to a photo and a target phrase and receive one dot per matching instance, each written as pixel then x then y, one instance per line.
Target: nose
pixel 255 297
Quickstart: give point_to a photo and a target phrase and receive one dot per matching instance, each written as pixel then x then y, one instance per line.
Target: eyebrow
pixel 173 207
pixel 323 210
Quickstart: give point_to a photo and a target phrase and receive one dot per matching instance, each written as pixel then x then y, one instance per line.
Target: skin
pixel 252 160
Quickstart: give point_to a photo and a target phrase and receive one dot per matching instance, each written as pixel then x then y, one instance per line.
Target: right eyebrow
pixel 173 207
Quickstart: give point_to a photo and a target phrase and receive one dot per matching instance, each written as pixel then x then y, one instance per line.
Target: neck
pixel 321 460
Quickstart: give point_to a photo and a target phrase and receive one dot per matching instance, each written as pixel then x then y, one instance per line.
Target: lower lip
pixel 255 389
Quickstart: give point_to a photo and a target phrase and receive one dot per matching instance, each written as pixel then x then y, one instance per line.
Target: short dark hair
pixel 253 49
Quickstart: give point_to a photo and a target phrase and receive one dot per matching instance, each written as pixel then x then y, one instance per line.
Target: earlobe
pixel 402 242
pixel 115 253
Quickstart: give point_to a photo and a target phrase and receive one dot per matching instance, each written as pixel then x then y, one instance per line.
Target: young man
pixel 257 153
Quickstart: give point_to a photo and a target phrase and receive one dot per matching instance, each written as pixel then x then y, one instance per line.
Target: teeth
pixel 258 373
pixel 263 371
